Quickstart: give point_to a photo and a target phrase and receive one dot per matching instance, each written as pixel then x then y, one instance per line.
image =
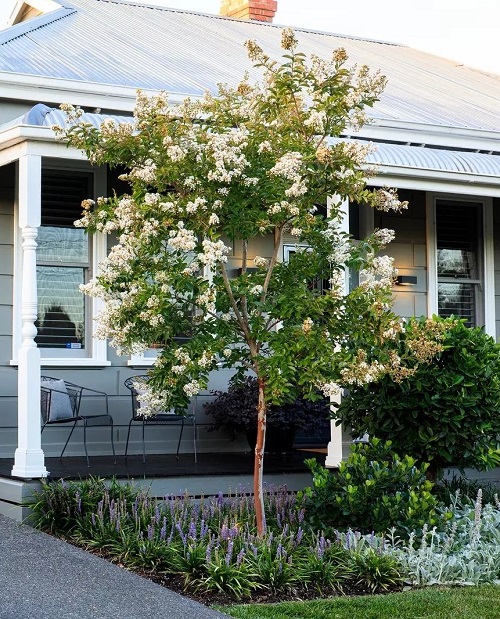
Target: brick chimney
pixel 259 10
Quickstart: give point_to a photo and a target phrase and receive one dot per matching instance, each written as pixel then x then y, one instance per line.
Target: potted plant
pixel 235 410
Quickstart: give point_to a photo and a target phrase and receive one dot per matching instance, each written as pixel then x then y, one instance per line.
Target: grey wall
pixel 409 251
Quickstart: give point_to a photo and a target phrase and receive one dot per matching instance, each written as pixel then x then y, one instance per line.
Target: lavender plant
pixel 211 544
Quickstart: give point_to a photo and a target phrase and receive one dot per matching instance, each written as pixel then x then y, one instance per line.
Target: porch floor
pixel 162 474
pixel 168 465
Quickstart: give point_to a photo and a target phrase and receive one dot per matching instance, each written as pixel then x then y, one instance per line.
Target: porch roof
pixel 404 157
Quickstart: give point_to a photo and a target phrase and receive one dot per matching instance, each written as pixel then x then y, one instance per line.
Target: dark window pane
pixel 458 300
pixel 61 308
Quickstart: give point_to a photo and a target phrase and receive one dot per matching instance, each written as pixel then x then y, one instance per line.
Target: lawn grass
pixel 481 602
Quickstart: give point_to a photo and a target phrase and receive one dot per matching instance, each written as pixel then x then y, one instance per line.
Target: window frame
pixel 96 350
pixel 485 282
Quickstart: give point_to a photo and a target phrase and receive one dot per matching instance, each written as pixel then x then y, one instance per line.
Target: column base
pixel 334 453
pixel 29 464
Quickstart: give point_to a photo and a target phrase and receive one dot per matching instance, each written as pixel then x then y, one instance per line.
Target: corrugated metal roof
pixel 410 157
pixel 122 44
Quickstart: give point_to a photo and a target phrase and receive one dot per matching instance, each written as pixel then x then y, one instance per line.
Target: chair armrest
pixel 95 392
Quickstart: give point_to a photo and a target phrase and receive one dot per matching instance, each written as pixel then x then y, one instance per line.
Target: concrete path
pixel 42 577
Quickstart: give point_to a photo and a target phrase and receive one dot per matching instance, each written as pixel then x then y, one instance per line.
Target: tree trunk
pixel 258 495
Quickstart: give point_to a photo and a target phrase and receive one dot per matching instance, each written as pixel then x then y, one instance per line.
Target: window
pixel 63 264
pixel 458 256
pixel 460 241
pixel 66 257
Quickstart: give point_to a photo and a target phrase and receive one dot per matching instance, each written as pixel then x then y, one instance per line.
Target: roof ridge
pixel 149 5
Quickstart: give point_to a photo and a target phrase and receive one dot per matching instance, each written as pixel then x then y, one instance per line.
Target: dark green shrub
pixel 446 413
pixel 372 491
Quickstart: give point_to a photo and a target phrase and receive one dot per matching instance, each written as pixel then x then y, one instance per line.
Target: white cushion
pixel 58 399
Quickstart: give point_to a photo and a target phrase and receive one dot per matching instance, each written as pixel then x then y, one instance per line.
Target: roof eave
pixel 460 183
pixel 52 90
pixel 429 135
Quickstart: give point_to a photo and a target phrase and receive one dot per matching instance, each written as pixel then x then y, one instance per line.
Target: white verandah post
pixel 29 458
pixel 334 448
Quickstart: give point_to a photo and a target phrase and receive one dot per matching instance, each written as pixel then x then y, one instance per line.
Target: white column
pixel 334 449
pixel 29 457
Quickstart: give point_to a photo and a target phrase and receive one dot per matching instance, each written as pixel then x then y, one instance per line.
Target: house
pixel 437 128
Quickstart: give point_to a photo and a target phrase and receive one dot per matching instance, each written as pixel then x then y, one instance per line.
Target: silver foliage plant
pixel 466 552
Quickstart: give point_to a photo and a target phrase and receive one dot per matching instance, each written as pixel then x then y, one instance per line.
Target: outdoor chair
pixel 163 418
pixel 61 402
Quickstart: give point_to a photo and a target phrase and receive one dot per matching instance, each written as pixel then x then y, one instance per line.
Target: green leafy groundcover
pixel 433 603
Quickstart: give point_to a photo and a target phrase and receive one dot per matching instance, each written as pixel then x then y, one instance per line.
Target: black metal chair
pixel 167 417
pixel 60 404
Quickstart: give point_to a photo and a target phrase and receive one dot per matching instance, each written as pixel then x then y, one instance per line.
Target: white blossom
pixel 330 390
pixel 192 388
pixel 288 166
pixel 259 261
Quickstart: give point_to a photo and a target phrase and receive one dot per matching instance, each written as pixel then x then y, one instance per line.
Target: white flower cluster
pixel 261 262
pixel 117 261
pixel 126 213
pixel 182 239
pixel 256 290
pixel 363 373
pixel 379 273
pixel 316 120
pixel 194 205
pixel 150 228
pixel 146 105
pixel 341 251
pixel 206 359
pixel 213 252
pixel 307 325
pixel 151 402
pixel 337 284
pixel 226 150
pixel 330 390
pixel 191 182
pixel 174 151
pixel 207 299
pixel 87 214
pixel 357 151
pixel 152 317
pixel 145 173
pixel 192 388
pixel 383 236
pixel 288 166
pixel 387 200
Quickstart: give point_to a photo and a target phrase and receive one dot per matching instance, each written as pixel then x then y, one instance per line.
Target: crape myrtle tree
pixel 206 175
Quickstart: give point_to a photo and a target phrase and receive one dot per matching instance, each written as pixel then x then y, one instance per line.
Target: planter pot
pixel 278 440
